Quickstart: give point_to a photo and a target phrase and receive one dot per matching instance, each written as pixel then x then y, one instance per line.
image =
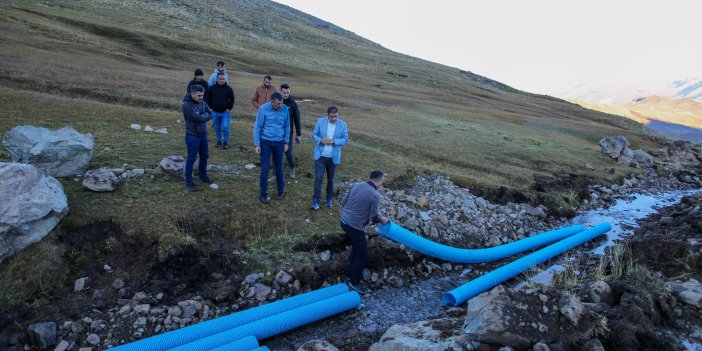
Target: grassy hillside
pixel 102 65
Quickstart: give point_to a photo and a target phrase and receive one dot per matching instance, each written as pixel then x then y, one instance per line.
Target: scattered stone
pixel 173 166
pixel 148 129
pixel 253 277
pixel 325 255
pixel 317 345
pixel 161 131
pixel 62 346
pixel 571 307
pixel 100 180
pixel 107 268
pixel 118 283
pixel 689 292
pixel 135 126
pixel 250 166
pixel 42 335
pixel 422 202
pixel 81 284
pixel 283 278
pixel 262 291
pixel 214 186
pixel 93 339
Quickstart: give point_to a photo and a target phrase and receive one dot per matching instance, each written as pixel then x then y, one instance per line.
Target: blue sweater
pixel 272 125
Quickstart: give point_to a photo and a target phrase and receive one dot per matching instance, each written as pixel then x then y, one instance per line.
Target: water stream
pixel 622 215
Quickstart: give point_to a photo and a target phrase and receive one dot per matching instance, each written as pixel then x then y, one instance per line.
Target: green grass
pixel 100 66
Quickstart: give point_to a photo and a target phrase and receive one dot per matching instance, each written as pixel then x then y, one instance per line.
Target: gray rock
pixel 480 203
pixel 262 291
pixel 325 255
pixel 599 291
pixel 485 320
pixel 571 307
pixel 135 126
pixel 173 166
pixel 136 172
pixel 42 335
pixel 420 336
pixel 317 345
pixel 395 282
pixel 93 339
pixel 593 345
pixel 175 311
pixel 253 277
pixel 534 211
pixel 424 216
pixel 142 309
pixel 148 129
pixel 118 284
pixel 689 292
pixel 62 346
pixel 613 146
pixel 60 153
pixel 32 205
pixel 160 131
pixel 81 283
pixel 100 180
pixel 643 158
pixel 539 346
pixel 283 278
pixel 250 166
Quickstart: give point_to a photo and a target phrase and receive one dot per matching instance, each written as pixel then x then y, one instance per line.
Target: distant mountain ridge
pixel 688 88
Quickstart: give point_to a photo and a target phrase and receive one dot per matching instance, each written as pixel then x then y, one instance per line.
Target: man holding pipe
pixel 359 207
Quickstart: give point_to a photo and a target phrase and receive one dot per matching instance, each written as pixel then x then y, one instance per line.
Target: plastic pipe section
pixel 185 335
pixel 246 344
pixel 280 323
pixel 464 292
pixel 453 254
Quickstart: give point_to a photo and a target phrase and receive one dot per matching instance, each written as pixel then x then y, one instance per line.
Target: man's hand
pixel 285 147
pixel 298 138
pixel 258 149
pixel 384 220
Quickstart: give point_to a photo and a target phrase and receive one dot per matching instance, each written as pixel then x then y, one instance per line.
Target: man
pixel 196 114
pixel 199 80
pixel 271 134
pixel 329 135
pixel 263 93
pixel 290 102
pixel 221 100
pixel 359 207
pixel 219 69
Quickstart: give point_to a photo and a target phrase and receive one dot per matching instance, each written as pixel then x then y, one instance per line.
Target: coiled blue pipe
pixel 464 292
pixel 280 323
pixel 246 344
pixel 453 254
pixel 194 332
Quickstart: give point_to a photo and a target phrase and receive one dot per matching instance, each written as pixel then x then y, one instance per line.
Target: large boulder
pixel 613 146
pixel 422 336
pixel 42 335
pixel 33 203
pixel 60 153
pixel 643 158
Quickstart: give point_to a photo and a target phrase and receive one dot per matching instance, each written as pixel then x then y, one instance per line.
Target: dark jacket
pixel 202 84
pixel 294 115
pixel 196 116
pixel 220 98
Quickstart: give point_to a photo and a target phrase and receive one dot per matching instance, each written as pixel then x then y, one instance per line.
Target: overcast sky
pixel 537 45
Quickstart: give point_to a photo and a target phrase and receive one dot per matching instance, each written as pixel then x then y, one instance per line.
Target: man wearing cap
pixel 198 80
pixel 219 69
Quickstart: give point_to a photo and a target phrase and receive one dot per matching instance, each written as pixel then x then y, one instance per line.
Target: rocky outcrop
pixel 101 180
pixel 422 336
pixel 60 153
pixel 618 149
pixel 680 151
pixel 33 203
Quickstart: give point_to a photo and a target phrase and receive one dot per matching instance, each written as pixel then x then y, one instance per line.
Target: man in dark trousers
pixel 271 135
pixel 221 99
pixel 196 114
pixel 290 102
pixel 359 207
pixel 198 80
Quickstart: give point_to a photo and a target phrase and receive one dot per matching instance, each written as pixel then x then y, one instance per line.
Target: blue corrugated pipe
pixel 464 292
pixel 246 344
pixel 280 323
pixel 453 254
pixel 262 348
pixel 185 335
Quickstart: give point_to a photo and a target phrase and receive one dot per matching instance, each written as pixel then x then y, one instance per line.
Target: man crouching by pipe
pixel 360 207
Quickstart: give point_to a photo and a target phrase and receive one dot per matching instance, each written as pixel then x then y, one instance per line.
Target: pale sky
pixel 534 45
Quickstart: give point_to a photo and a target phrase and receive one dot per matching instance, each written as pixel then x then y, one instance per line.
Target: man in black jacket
pixel 221 99
pixel 196 114
pixel 290 102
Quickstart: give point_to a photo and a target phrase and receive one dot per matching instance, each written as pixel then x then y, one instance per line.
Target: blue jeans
pixel 276 149
pixel 321 165
pixel 358 254
pixel 196 145
pixel 220 123
pixel 289 154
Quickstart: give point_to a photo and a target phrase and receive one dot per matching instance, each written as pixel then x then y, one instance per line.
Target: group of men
pixel 273 135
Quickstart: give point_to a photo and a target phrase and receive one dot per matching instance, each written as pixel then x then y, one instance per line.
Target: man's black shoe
pixel 219 144
pixel 225 145
pixel 191 187
pixel 206 180
pixel 357 287
pixel 280 196
pixel 264 199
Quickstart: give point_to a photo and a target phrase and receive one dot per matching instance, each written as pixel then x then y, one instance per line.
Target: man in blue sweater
pixel 360 207
pixel 271 135
pixel 196 114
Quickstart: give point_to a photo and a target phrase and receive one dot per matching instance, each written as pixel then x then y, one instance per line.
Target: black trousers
pixel 358 254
